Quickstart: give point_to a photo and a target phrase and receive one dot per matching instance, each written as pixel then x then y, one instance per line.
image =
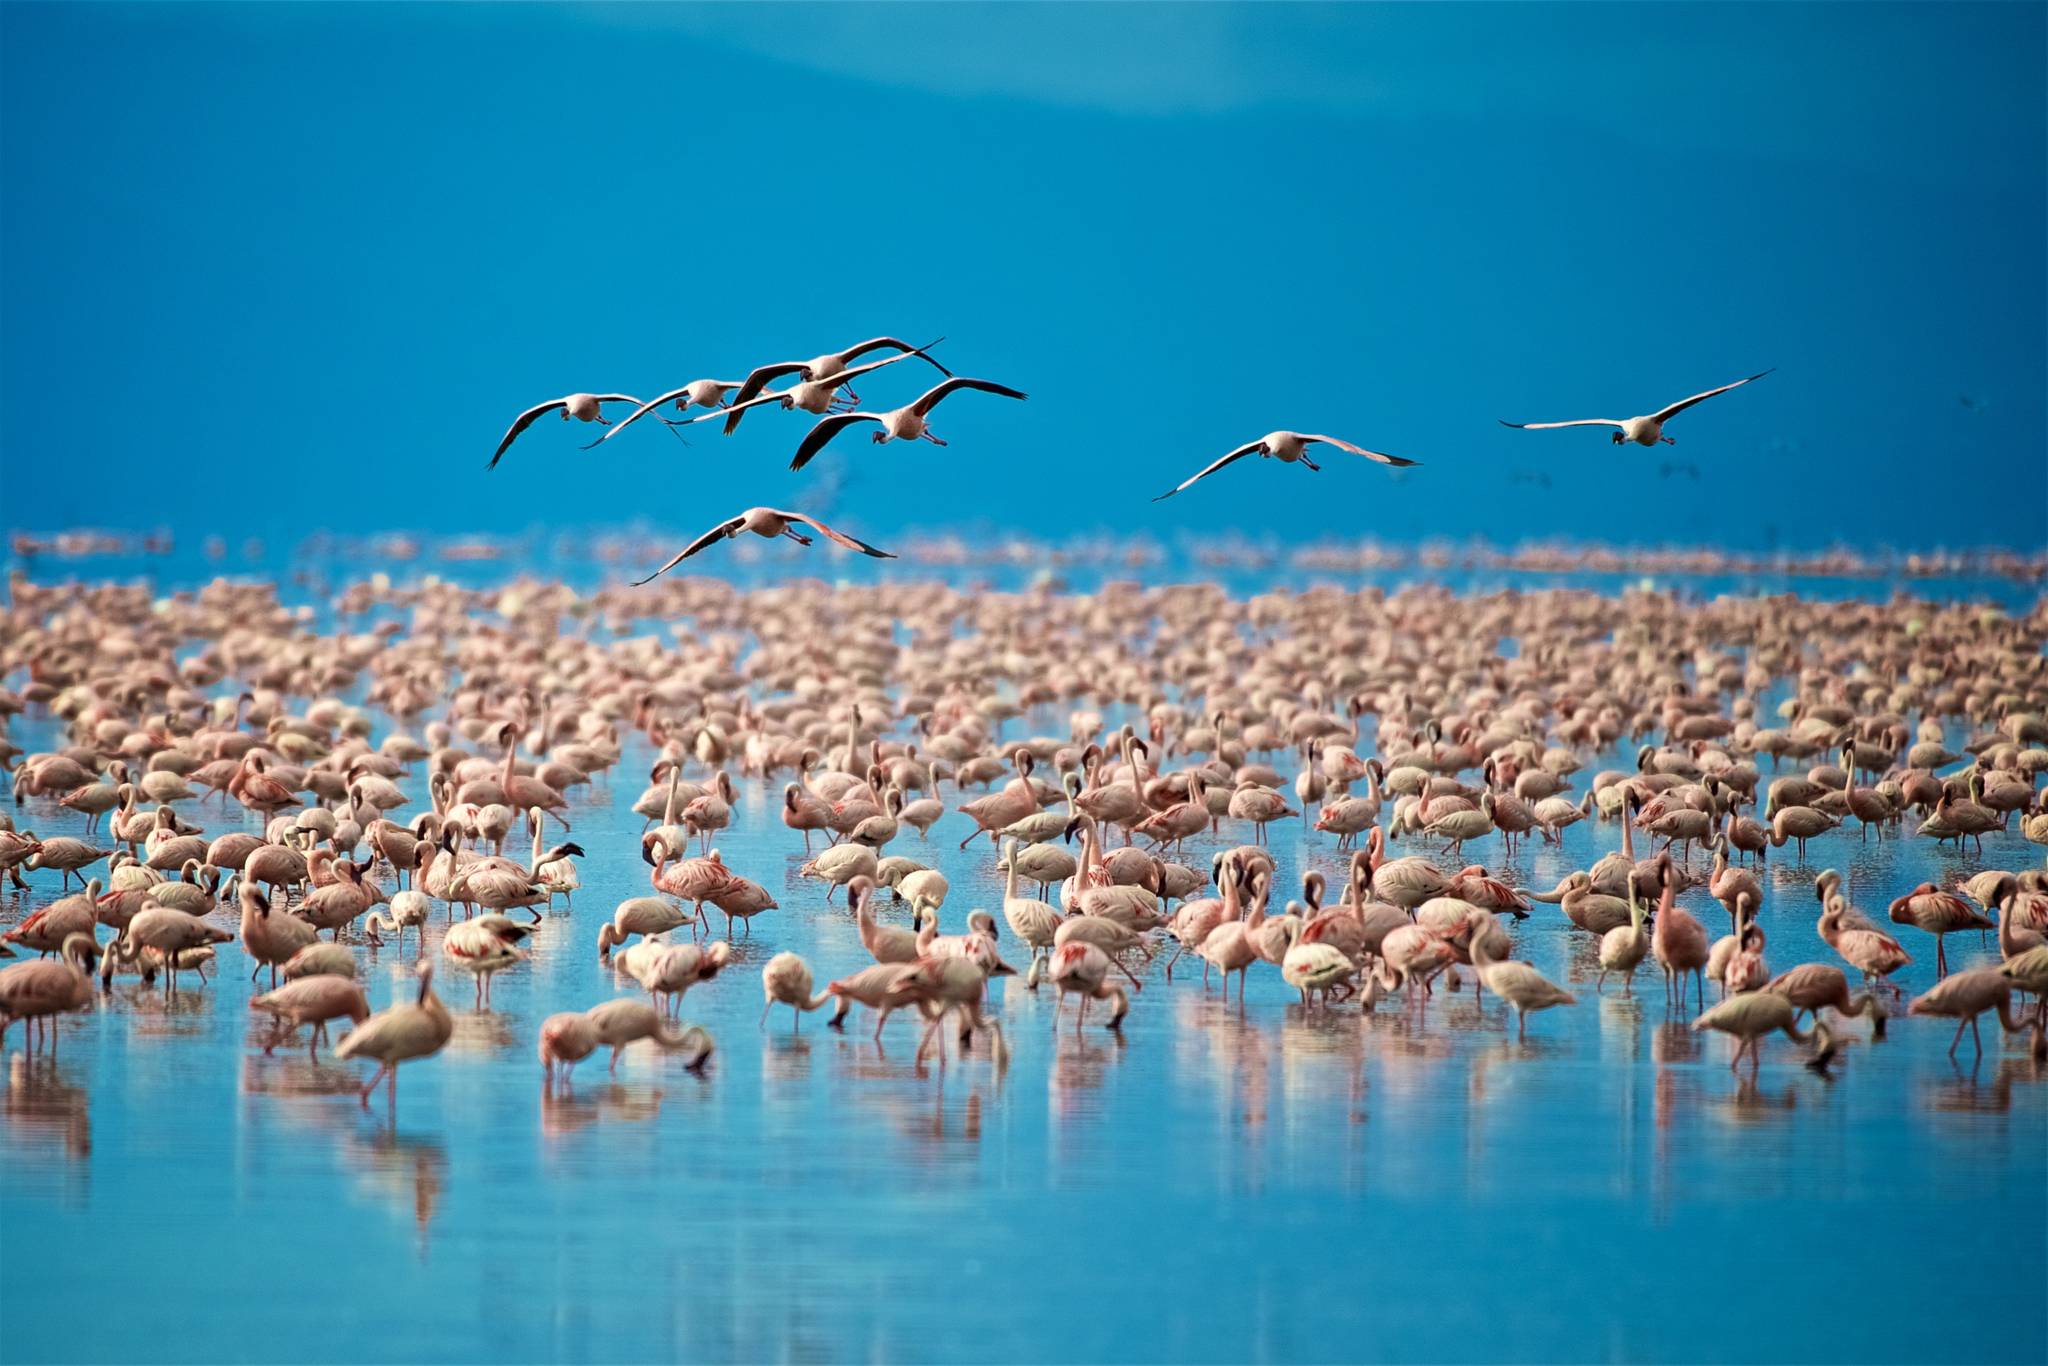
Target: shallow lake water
pixel 1214 1183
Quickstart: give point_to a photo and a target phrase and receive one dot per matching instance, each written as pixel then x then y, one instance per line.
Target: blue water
pixel 1214 1184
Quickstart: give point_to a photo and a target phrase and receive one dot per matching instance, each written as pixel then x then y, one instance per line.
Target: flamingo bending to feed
pixel 1083 969
pixel 870 987
pixel 1966 995
pixel 786 980
pixel 170 933
pixel 312 1001
pixel 1753 1014
pixel 944 986
pixel 1286 447
pixel 771 523
pixel 1813 986
pixel 1644 431
pixel 668 971
pixel 641 915
pixel 565 1040
pixel 400 1033
pixel 626 1020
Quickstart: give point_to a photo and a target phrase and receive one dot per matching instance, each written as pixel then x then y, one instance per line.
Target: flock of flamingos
pixel 399 751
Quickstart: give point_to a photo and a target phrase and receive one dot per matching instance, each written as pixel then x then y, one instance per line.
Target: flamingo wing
pixel 836 537
pixel 520 424
pixel 1667 414
pixel 731 411
pixel 757 380
pixel 1576 422
pixel 827 428
pixel 877 343
pixel 638 413
pixel 729 527
pixel 930 398
pixel 1240 453
pixel 1344 445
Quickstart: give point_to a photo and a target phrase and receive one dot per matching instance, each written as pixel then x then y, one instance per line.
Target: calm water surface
pixel 1215 1184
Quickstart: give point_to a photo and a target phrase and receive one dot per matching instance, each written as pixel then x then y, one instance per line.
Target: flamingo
pixel 43 990
pixel 399 1034
pixel 1644 431
pixel 1752 1014
pixel 908 423
pixel 582 407
pixel 832 363
pixel 786 980
pixel 1286 447
pixel 770 523
pixel 312 1001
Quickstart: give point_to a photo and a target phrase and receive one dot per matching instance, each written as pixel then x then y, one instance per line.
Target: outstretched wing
pixel 1344 445
pixel 520 424
pixel 1240 453
pixel 930 398
pixel 877 343
pixel 1667 414
pixel 1577 422
pixel 731 411
pixel 836 537
pixel 757 379
pixel 717 533
pixel 638 413
pixel 825 430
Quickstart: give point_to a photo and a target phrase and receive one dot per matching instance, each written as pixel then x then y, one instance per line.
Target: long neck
pixel 668 808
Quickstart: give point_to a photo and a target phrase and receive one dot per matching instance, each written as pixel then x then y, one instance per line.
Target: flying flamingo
pixel 908 423
pixel 1286 447
pixel 771 523
pixel 1644 431
pixel 582 407
pixel 824 367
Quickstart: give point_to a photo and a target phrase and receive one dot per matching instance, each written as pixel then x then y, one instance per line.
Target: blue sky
pixel 318 257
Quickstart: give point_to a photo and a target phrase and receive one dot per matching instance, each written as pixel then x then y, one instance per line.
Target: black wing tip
pixel 1402 462
pixel 1166 495
pixel 1518 426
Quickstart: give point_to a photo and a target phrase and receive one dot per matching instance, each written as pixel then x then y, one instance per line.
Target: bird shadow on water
pixel 1972 1091
pixel 405 1172
pixel 181 1014
pixel 565 1110
pixel 41 1107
